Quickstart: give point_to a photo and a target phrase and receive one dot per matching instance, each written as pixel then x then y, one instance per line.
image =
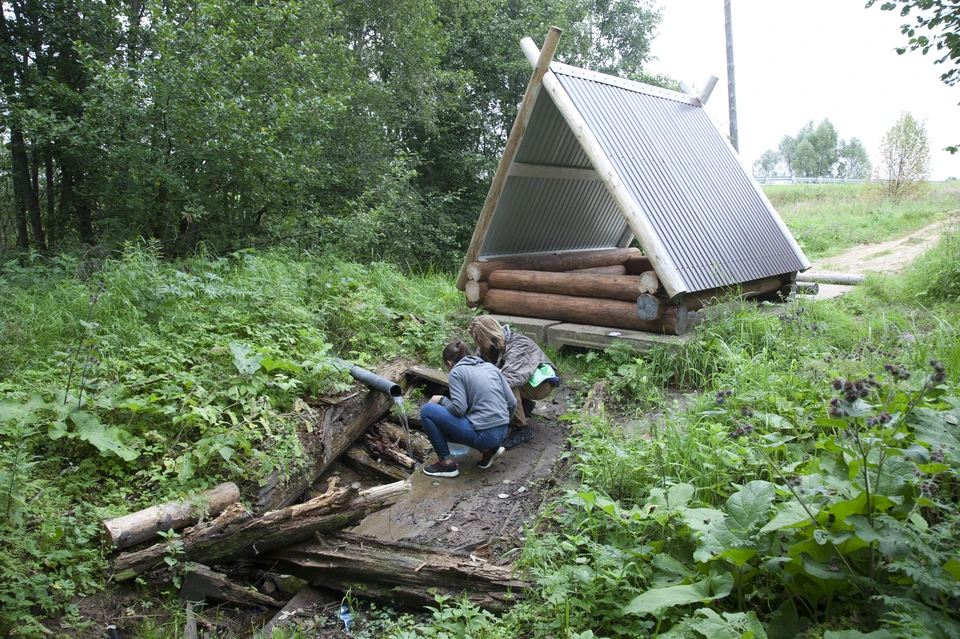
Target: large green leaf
pixel 732 625
pixel 245 359
pixel 749 506
pixel 90 430
pixel 856 634
pixel 789 515
pixel 655 600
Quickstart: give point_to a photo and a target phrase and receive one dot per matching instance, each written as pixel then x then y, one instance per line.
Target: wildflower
pixel 885 417
pixel 837 384
pixel 746 412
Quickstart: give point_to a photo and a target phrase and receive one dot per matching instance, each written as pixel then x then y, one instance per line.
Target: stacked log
pixel 617 288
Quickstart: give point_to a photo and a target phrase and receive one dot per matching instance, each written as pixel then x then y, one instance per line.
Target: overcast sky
pixel 802 60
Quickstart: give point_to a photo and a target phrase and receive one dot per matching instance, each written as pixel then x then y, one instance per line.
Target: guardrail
pixel 786 179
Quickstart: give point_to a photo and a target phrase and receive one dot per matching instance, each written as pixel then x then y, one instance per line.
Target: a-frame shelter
pixel 593 161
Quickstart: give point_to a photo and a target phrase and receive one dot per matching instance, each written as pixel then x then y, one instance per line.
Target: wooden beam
pixel 540 67
pixel 638 222
pixel 546 171
pixel 614 287
pixel 555 263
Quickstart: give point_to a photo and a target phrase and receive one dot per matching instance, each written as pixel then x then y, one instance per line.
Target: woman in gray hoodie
pixel 476 414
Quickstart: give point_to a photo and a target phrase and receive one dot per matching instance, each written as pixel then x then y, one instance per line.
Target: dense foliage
pixel 816 151
pixel 364 128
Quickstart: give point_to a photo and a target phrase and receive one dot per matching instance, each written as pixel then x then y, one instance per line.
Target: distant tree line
pixel 369 128
pixel 816 151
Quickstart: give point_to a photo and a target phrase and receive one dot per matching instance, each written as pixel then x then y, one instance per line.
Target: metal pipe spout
pixel 374 381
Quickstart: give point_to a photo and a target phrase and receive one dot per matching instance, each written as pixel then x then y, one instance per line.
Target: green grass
pixel 828 218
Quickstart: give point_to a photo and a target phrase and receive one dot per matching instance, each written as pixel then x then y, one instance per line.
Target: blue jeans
pixel 441 427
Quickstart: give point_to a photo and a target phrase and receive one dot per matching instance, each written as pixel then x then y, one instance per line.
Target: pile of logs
pixel 615 287
pixel 306 539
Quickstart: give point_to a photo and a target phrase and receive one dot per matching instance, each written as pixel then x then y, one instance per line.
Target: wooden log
pixel 343 425
pixel 303 605
pixel 401 572
pixel 360 459
pixel 143 525
pixel 638 264
pixel 617 269
pixel 649 282
pixel 238 533
pixel 650 307
pixel 480 271
pixel 615 287
pixel 422 448
pixel 586 310
pixel 203 584
pixel 190 623
pixel 384 448
pixel 428 374
pixel 753 288
pixel 475 291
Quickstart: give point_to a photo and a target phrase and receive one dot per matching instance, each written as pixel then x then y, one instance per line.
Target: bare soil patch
pixel 885 257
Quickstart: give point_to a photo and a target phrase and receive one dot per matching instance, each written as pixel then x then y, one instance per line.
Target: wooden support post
pixel 143 525
pixel 517 132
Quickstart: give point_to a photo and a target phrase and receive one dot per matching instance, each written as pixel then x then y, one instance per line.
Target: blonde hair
pixel 488 335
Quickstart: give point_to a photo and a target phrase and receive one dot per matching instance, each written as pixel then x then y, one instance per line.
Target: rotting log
pixel 428 374
pixel 143 525
pixel 745 290
pixel 203 584
pixel 649 282
pixel 475 291
pixel 238 533
pixel 676 320
pixel 651 307
pixel 401 572
pixel 616 269
pixel 637 264
pixel 341 426
pixel 422 448
pixel 480 271
pixel 615 287
pixel 360 459
pixel 385 449
pixel 303 605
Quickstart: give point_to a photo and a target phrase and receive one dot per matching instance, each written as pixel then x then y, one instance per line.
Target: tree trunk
pixel 401 572
pixel 479 271
pixel 342 426
pixel 130 530
pixel 20 206
pixel 237 533
pixel 615 287
pixel 586 310
pixel 28 201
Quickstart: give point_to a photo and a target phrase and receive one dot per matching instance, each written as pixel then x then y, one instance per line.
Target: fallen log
pixel 676 320
pixel 303 606
pixel 385 449
pixel 615 287
pixel 422 448
pixel 238 533
pixel 360 459
pixel 143 525
pixel 617 269
pixel 475 291
pixel 401 572
pixel 479 271
pixel 342 426
pixel 203 584
pixel 428 374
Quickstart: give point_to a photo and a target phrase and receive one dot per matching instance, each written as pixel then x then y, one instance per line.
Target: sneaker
pixel 519 436
pixel 489 457
pixel 436 469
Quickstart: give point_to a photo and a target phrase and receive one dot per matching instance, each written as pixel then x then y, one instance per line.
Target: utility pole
pixel 731 83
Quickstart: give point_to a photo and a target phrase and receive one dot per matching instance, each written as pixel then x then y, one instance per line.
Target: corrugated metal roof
pixel 714 223
pixel 553 214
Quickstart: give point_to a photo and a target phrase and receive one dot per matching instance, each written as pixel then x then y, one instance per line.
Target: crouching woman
pixel 476 414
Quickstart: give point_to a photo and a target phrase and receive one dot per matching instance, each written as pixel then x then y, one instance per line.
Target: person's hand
pixel 436 399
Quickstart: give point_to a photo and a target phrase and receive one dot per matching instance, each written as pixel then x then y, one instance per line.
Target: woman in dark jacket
pixel 527 369
pixel 476 414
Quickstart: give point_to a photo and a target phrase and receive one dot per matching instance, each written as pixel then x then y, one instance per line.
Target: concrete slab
pixel 532 327
pixel 601 337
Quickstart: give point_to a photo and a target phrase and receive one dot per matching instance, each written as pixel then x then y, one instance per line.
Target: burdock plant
pixel 85 346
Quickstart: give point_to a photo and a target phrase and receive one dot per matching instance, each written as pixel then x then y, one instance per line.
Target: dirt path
pixel 885 257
